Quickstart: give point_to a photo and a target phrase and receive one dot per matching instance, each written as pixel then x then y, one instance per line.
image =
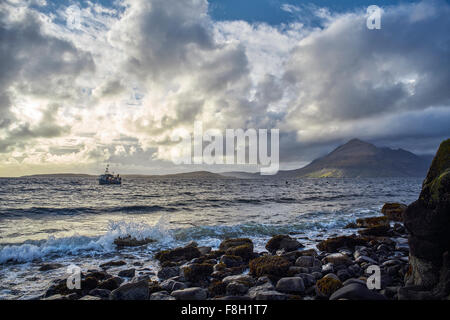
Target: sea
pixel 74 220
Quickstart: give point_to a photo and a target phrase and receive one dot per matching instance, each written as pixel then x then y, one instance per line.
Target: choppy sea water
pixel 75 221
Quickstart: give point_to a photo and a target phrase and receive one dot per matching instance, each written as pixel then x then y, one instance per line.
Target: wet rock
pixel 271 295
pixel 308 279
pixel 186 253
pixel 168 272
pixel 291 285
pixel 428 221
pixel 394 211
pixel 113 263
pixel 131 291
pixel 271 266
pixel 333 244
pixel 111 283
pixel 50 266
pixel 195 293
pixel 162 295
pixel 283 242
pixel 245 278
pixel 172 285
pixel 343 275
pixel 99 275
pixel 131 242
pixel 88 284
pixel 235 288
pixel 414 293
pixel 328 268
pixel 351 225
pixel 88 297
pixel 128 273
pixel 365 259
pixel 356 291
pixel 254 291
pixel 231 261
pixel 198 271
pixel 326 286
pixel 56 297
pixel 379 230
pixel 337 259
pixel 229 243
pixel 308 262
pixel 102 293
pixel 372 222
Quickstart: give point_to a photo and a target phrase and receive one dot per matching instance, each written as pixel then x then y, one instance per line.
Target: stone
pixel 377 231
pixel 328 268
pixel 162 295
pixel 102 293
pixel 394 211
pixel 308 262
pixel 271 266
pixel 343 275
pixel 231 261
pixel 270 295
pixel 229 243
pixel 356 291
pixel 50 266
pixel 235 288
pixel 186 253
pixel 337 259
pixel 111 283
pixel 131 291
pixel 308 279
pixel 172 285
pixel 326 286
pixel 333 244
pixel 128 273
pixel 195 293
pixel 88 297
pixel 88 284
pixel 129 241
pixel 198 271
pixel 428 221
pixel 365 259
pixel 168 272
pixel 291 285
pixel 284 242
pixel 56 297
pixel 241 278
pixel 372 221
pixel 254 291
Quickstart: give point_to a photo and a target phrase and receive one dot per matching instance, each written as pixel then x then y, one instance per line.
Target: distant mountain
pixel 357 158
pixel 186 175
pixel 58 175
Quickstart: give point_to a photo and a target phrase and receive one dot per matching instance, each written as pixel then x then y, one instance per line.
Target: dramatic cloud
pixel 117 85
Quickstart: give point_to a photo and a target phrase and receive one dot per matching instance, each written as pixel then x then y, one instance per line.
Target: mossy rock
pixel 271 266
pixel 229 243
pixel 245 251
pixel 131 242
pixel 178 254
pixel 217 288
pixel 333 244
pixel 394 211
pixel 282 241
pixel 326 286
pixel 372 221
pixel 198 271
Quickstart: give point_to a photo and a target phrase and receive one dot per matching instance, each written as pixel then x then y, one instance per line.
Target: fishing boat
pixel 108 178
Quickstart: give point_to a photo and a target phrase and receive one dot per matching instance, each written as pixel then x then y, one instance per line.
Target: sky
pixel 113 85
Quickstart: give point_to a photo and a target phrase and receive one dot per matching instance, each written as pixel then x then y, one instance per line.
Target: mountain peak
pixel 358 158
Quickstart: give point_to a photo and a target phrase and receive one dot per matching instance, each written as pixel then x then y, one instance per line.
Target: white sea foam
pixel 79 245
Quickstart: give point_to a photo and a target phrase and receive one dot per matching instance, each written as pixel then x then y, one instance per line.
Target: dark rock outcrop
pixel 428 222
pixel 283 242
pixel 394 211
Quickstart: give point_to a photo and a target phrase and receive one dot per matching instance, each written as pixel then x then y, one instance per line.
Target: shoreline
pixel 337 268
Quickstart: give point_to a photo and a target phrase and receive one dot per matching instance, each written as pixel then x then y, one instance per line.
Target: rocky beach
pixel 338 268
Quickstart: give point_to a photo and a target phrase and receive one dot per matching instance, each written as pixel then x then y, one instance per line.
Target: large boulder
pixel 394 211
pixel 293 285
pixel 195 293
pixel 333 244
pixel 272 266
pixel 131 291
pixel 356 291
pixel 428 222
pixel 188 252
pixel 241 247
pixel 284 242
